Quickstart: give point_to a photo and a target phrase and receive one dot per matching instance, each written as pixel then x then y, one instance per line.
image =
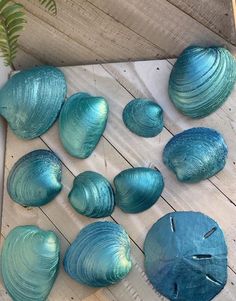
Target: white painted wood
pixel 119 149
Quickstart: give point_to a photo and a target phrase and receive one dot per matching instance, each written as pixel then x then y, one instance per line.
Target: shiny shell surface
pixel 195 154
pixel 186 257
pixel 137 189
pixel 35 179
pixel 82 122
pixel 92 195
pixel 143 117
pixel 201 80
pixel 30 262
pixel 100 255
pixel 31 100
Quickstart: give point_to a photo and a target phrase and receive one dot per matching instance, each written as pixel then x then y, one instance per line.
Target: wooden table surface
pixel 120 149
pixel 95 31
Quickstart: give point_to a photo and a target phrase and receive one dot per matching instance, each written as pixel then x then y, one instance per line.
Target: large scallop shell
pixel 143 117
pixel 100 255
pixel 82 122
pixel 137 189
pixel 195 154
pixel 186 256
pixel 92 195
pixel 30 262
pixel 31 100
pixel 201 80
pixel 35 179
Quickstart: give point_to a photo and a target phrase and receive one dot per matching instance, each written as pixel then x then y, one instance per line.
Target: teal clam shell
pixel 137 189
pixel 186 257
pixel 35 179
pixel 195 154
pixel 92 195
pixel 82 122
pixel 143 117
pixel 201 80
pixel 100 255
pixel 30 262
pixel 31 100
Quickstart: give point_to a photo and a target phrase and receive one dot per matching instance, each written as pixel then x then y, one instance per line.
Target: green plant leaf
pixel 12 21
pixel 50 5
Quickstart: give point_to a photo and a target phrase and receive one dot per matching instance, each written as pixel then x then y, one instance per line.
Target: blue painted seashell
pixel 31 100
pixel 35 179
pixel 137 189
pixel 92 195
pixel 30 262
pixel 186 257
pixel 100 255
pixel 201 80
pixel 143 117
pixel 195 154
pixel 82 122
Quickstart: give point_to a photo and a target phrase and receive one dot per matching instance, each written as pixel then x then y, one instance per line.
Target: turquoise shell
pixel 195 154
pixel 137 189
pixel 82 122
pixel 92 195
pixel 201 80
pixel 143 117
pixel 30 262
pixel 35 179
pixel 31 100
pixel 100 255
pixel 186 257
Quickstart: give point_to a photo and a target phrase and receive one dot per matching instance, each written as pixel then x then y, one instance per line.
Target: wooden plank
pixel 141 80
pixel 161 23
pixel 82 34
pixel 138 151
pixel 217 15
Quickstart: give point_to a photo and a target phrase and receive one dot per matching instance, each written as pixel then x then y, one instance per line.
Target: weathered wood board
pixel 119 149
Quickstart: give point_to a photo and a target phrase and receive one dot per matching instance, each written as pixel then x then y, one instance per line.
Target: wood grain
pixel 116 30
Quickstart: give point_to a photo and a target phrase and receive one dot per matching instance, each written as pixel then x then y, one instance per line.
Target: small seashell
pixel 137 189
pixel 100 255
pixel 195 154
pixel 92 195
pixel 201 80
pixel 143 117
pixel 186 256
pixel 31 100
pixel 82 122
pixel 30 262
pixel 35 179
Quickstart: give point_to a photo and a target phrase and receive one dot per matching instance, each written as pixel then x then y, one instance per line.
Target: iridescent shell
pixel 35 179
pixel 82 122
pixel 100 255
pixel 31 100
pixel 30 262
pixel 143 117
pixel 201 80
pixel 195 154
pixel 186 256
pixel 92 195
pixel 137 189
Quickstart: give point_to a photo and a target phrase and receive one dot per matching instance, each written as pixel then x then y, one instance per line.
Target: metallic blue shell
pixel 137 189
pixel 100 255
pixel 31 100
pixel 186 257
pixel 195 154
pixel 35 179
pixel 201 80
pixel 92 195
pixel 143 117
pixel 30 262
pixel 82 122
